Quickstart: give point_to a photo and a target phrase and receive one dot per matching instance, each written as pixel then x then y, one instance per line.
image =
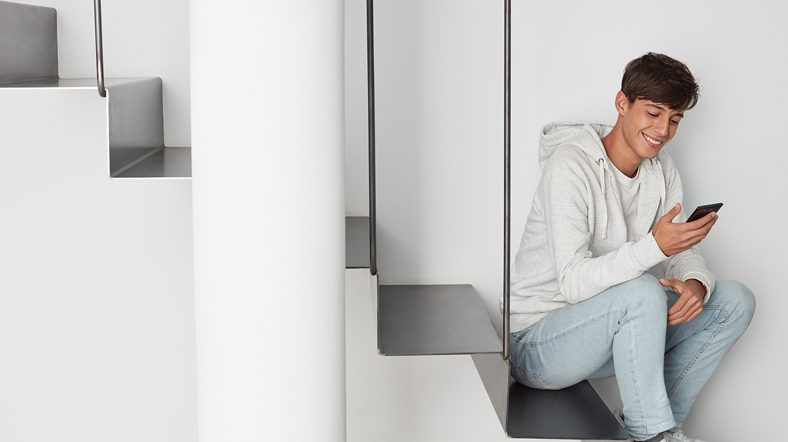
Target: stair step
pixel 28 43
pixel 167 162
pixel 433 320
pixel 136 126
pixel 73 83
pixel 576 412
pixel 356 242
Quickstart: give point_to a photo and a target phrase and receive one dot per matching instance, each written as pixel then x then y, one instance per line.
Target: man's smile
pixel 651 141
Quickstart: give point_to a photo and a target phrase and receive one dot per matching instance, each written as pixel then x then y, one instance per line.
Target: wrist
pixel 698 287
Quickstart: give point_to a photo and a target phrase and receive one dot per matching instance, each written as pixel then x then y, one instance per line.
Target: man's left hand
pixel 690 303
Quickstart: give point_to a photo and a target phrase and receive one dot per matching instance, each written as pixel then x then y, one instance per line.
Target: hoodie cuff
pixel 647 252
pixel 703 280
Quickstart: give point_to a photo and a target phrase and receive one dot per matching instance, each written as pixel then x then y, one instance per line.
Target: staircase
pixel 133 193
pixel 450 319
pixel 415 320
pixel 133 116
pixel 96 278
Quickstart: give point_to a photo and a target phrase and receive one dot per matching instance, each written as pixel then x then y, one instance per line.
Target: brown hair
pixel 661 79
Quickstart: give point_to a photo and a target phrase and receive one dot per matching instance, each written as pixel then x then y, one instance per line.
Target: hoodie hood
pixel 588 137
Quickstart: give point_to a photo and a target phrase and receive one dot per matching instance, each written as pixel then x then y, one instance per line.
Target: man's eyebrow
pixel 664 110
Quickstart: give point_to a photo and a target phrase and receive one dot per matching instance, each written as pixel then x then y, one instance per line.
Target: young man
pixel 607 209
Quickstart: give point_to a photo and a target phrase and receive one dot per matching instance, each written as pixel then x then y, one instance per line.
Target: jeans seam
pixel 536 344
pixel 702 349
pixel 634 373
pixel 542 380
pixel 535 373
pixel 559 333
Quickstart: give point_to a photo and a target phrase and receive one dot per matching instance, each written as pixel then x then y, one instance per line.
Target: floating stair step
pixel 576 412
pixel 136 126
pixel 73 83
pixel 356 242
pixel 28 43
pixel 168 162
pixel 433 320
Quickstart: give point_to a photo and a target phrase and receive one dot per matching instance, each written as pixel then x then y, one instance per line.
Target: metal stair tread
pixel 433 320
pixel 167 162
pixel 575 412
pixel 73 83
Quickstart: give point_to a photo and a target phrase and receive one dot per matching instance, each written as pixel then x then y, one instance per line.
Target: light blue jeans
pixel 623 332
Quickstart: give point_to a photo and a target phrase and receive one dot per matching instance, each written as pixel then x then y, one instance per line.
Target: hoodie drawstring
pixel 662 190
pixel 601 162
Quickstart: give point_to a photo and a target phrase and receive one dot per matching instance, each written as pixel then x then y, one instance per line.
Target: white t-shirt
pixel 629 189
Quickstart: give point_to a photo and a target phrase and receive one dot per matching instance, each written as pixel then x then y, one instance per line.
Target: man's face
pixel 648 126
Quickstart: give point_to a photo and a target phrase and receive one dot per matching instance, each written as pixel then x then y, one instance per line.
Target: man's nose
pixel 662 126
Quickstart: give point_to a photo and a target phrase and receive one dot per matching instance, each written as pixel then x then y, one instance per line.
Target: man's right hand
pixel 674 238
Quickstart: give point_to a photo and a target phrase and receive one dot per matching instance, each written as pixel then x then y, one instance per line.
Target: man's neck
pixel 620 154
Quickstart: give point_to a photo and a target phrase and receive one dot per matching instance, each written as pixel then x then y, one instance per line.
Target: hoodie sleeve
pixel 568 201
pixel 688 264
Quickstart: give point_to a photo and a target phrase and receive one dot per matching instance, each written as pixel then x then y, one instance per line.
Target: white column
pixel 267 133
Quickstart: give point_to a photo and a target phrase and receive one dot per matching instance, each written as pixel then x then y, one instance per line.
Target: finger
pixel 687 301
pixel 694 314
pixel 685 319
pixel 694 237
pixel 682 313
pixel 669 215
pixel 713 221
pixel 672 213
pixel 676 308
pixel 685 314
pixel 701 222
pixel 691 304
pixel 673 321
pixel 678 315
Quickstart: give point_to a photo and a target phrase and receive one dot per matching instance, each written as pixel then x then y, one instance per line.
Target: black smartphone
pixel 702 211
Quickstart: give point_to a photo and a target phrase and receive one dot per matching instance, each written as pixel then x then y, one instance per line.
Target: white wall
pixel 142 38
pixel 96 283
pixel 439 92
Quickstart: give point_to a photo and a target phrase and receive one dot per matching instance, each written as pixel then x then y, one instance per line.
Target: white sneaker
pixel 668 436
pixel 619 414
pixel 678 436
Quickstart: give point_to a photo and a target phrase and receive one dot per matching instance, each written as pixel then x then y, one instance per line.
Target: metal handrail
pixel 99 49
pixel 507 158
pixel 507 174
pixel 373 251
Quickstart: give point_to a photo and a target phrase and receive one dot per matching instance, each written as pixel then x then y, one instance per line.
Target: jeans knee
pixel 648 294
pixel 737 299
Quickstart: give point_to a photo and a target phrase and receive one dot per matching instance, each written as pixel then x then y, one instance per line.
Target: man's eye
pixel 653 115
pixel 675 121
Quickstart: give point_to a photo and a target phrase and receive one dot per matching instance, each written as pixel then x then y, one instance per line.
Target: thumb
pixel 672 213
pixel 665 282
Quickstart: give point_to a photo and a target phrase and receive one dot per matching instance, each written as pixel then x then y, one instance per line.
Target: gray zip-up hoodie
pixel 575 240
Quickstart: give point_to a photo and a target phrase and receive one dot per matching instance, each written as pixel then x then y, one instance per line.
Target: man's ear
pixel 622 103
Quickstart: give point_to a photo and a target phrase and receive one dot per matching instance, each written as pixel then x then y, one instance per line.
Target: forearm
pixel 690 265
pixel 584 276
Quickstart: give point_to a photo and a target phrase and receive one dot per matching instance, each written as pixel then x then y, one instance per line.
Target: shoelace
pixel 678 435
